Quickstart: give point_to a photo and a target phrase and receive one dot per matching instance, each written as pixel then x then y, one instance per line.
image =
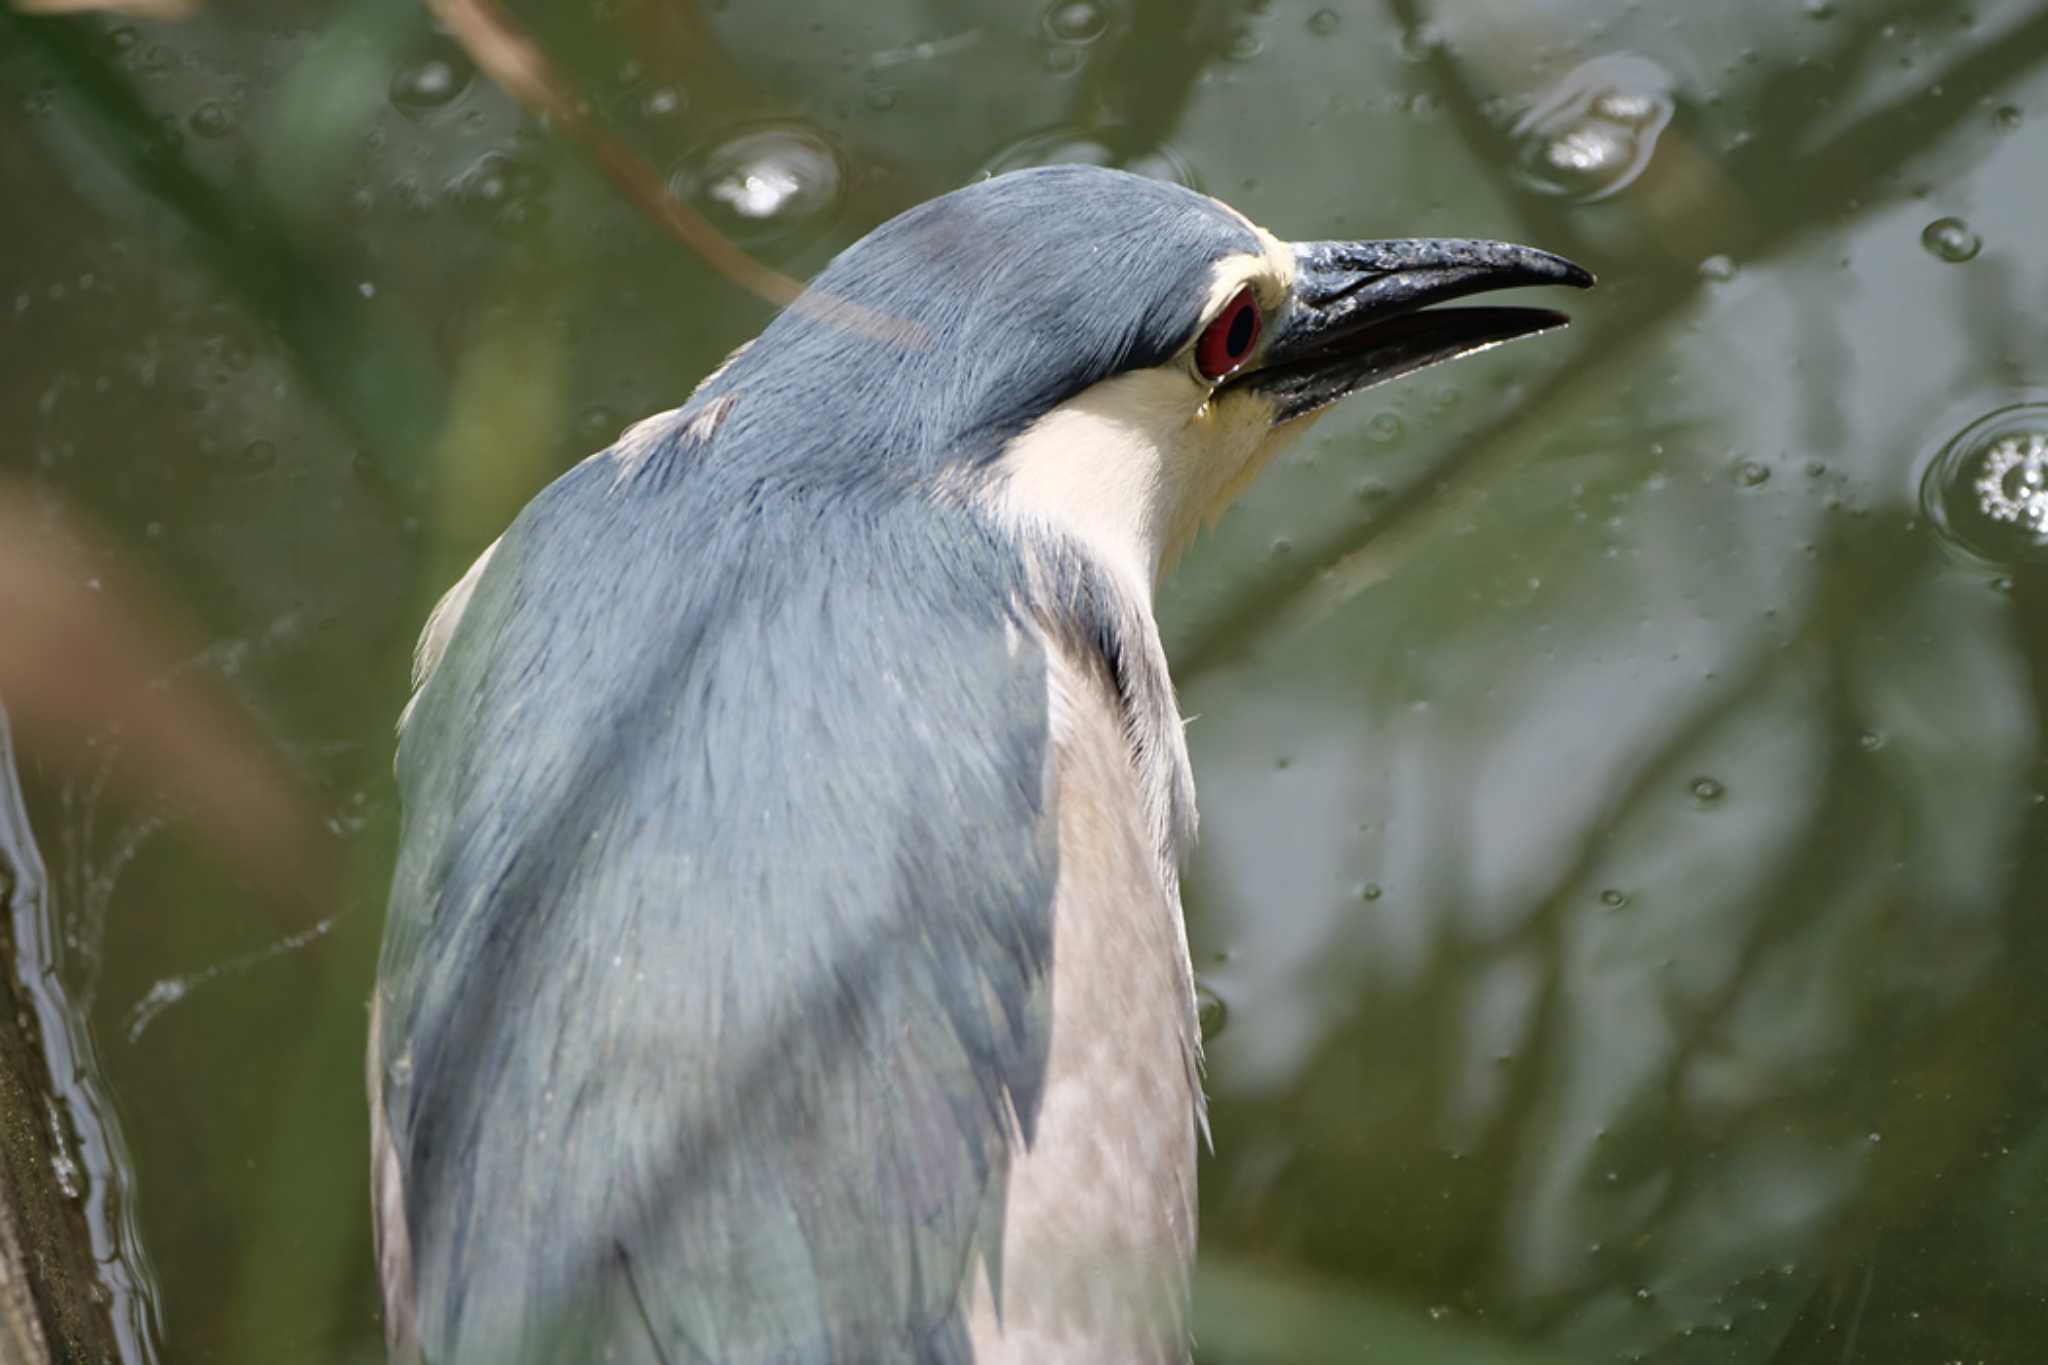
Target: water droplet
pixel 1951 240
pixel 1210 1011
pixel 1062 60
pixel 778 183
pixel 1594 132
pixel 212 119
pixel 1243 44
pixel 1385 428
pixel 1706 791
pixel 2009 116
pixel 1613 899
pixel 431 83
pixel 1819 9
pixel 503 190
pixel 1422 45
pixel 1870 741
pixel 1987 488
pixel 1071 146
pixel 1369 892
pixel 1752 474
pixel 662 102
pixel 1324 22
pixel 1719 269
pixel 1076 21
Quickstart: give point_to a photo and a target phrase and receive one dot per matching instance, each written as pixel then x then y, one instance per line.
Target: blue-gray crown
pixel 1012 295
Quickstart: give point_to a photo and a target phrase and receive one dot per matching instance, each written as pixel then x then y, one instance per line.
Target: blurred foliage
pixel 1623 809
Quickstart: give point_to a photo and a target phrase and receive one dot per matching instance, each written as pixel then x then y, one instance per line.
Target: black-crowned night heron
pixel 785 960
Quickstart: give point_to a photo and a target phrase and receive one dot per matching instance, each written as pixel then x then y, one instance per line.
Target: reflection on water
pixel 1621 762
pixel 91 1165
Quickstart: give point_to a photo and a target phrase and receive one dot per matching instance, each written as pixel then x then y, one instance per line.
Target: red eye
pixel 1229 339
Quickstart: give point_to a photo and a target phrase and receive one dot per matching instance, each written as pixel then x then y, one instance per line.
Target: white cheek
pixel 1114 468
pixel 1133 468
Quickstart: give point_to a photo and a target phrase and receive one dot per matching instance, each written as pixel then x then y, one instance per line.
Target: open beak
pixel 1360 314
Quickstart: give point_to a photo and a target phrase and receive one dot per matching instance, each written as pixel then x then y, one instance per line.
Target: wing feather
pixel 715 975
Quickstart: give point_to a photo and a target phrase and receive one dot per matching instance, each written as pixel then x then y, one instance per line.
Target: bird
pixel 784 959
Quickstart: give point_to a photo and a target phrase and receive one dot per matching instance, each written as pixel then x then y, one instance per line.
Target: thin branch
pixel 509 56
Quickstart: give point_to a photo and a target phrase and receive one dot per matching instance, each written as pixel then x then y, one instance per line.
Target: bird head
pixel 1109 356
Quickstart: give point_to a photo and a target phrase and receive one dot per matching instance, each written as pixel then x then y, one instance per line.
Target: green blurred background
pixel 1621 904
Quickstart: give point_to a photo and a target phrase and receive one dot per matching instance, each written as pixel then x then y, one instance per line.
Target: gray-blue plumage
pixel 718 948
pixel 786 923
pixel 1011 294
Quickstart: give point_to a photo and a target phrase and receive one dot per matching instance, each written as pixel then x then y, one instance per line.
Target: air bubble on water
pixel 1613 898
pixel 212 119
pixel 258 456
pixel 1067 145
pixel 1719 269
pixel 1324 22
pixel 1752 474
pixel 2009 116
pixel 1062 59
pixel 778 183
pixel 662 102
pixel 505 191
pixel 1986 489
pixel 1592 134
pixel 2012 485
pixel 1243 44
pixel 1385 428
pixel 1706 791
pixel 1370 891
pixel 1819 9
pixel 431 83
pixel 1423 44
pixel 1951 240
pixel 1075 21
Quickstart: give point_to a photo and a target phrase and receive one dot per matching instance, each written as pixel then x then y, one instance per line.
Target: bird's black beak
pixel 1357 315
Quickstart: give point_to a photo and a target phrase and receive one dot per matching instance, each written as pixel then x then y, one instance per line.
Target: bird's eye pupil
pixel 1244 325
pixel 1226 342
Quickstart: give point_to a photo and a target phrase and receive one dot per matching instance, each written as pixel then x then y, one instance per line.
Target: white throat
pixel 1133 467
